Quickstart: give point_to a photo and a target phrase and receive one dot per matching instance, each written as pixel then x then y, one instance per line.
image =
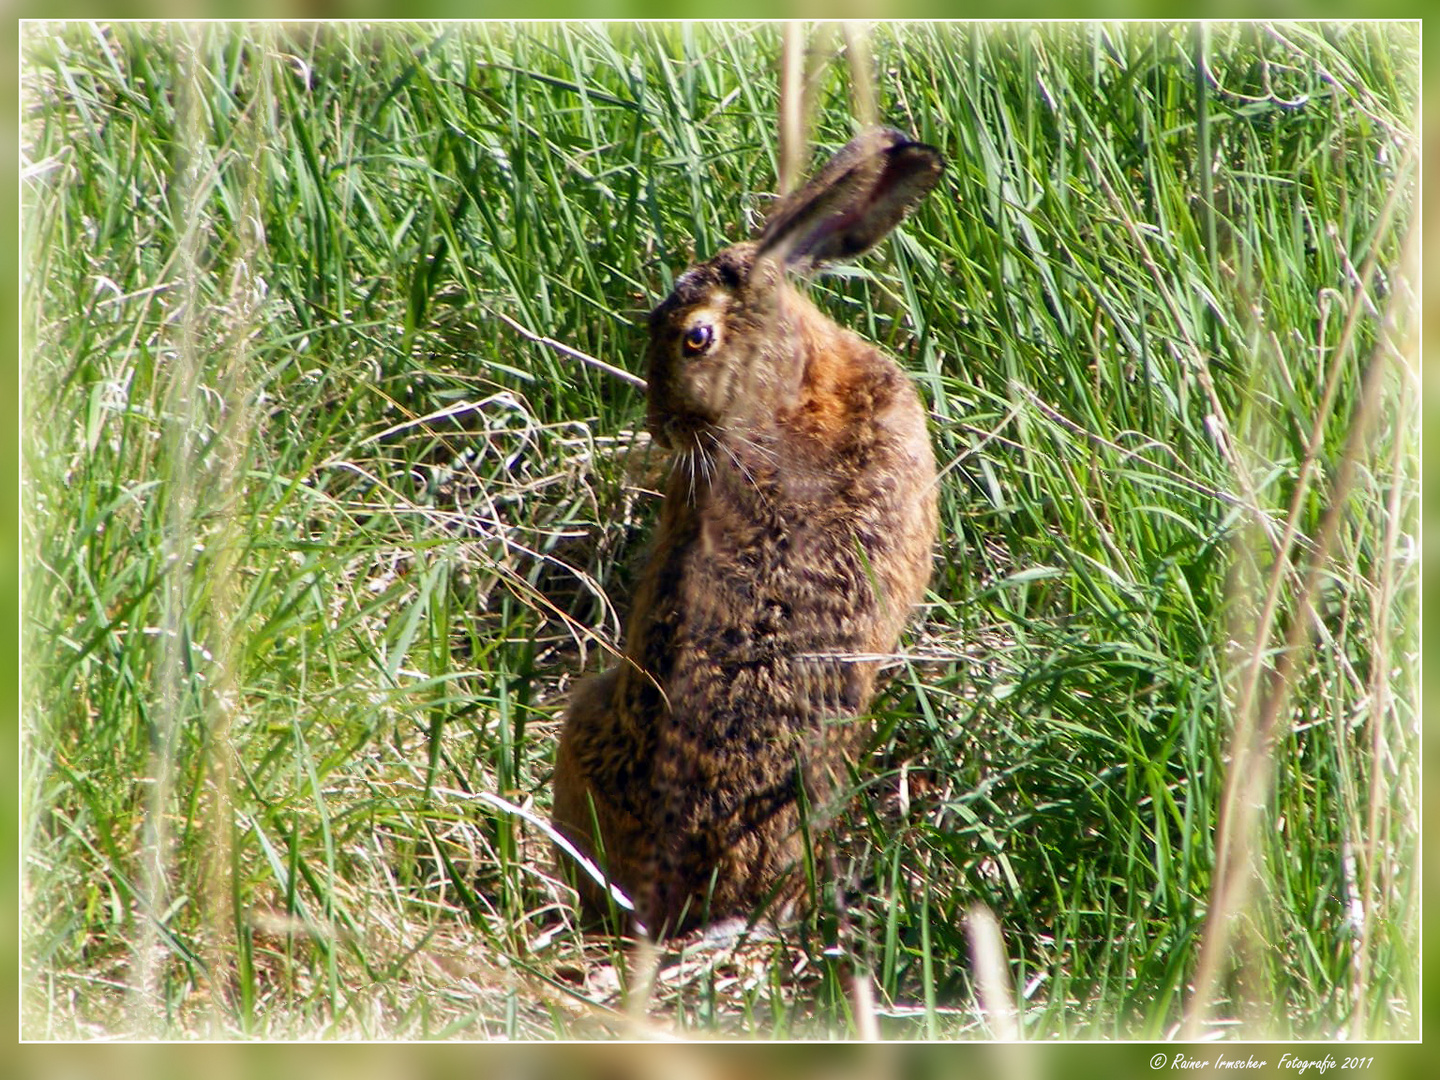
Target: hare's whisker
pixel 725 444
pixel 760 448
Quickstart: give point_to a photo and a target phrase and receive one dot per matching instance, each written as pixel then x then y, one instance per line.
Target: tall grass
pixel 323 517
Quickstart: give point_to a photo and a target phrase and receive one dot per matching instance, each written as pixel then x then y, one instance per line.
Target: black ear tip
pixel 919 151
pixel 904 156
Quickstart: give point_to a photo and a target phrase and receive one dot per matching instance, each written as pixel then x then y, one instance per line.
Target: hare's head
pixel 727 342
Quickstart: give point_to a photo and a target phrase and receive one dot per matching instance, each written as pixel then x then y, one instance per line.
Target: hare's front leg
pixel 601 805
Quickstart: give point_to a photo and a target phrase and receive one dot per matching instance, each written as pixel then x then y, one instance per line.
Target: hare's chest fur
pixel 763 566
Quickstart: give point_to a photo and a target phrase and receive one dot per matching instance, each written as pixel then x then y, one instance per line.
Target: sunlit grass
pixel 317 540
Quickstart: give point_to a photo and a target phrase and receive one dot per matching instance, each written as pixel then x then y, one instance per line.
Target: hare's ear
pixel 849 206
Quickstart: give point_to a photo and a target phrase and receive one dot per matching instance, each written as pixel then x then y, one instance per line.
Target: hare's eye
pixel 697 339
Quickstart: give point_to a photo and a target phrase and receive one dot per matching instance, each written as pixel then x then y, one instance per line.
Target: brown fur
pixel 796 535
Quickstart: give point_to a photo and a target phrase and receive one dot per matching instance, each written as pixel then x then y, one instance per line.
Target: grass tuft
pixel 326 508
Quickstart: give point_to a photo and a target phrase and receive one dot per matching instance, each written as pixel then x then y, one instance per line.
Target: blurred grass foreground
pixel 323 516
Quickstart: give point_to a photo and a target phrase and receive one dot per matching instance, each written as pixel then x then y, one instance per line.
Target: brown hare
pixel 795 537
